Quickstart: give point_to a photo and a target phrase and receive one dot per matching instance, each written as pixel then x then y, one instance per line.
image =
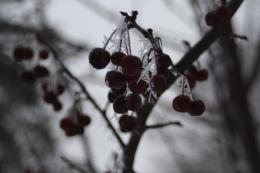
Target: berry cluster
pixel 219 16
pixel 74 123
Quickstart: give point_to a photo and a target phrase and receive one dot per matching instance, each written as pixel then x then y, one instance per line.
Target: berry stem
pixel 111 35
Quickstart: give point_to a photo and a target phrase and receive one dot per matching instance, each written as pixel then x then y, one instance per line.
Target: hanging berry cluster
pixel 218 16
pixel 137 80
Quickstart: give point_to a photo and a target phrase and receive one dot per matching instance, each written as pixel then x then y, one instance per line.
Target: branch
pixel 161 125
pixel 73 165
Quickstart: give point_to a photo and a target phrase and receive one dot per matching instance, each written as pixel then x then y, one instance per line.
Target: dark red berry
pixel 99 58
pixel 50 97
pixel 60 88
pixel 28 76
pixel 202 75
pixel 167 74
pixel 112 96
pixel 192 70
pixel 164 61
pixel 115 80
pixel 84 120
pixel 181 103
pixel 119 105
pixel 116 58
pixel 212 19
pixel 45 86
pixel 19 53
pixel 133 102
pixel 57 106
pixel 223 13
pixel 131 79
pixel 28 53
pixel 66 123
pixel 41 71
pixel 131 65
pixel 43 54
pixel 138 87
pixel 191 80
pixel 158 84
pixel 197 108
pixel 127 123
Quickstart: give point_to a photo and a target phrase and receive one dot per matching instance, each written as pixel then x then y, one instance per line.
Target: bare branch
pixel 161 125
pixel 73 165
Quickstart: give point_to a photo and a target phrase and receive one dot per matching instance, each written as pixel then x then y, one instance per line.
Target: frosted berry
pixel 127 123
pixel 115 80
pixel 131 65
pixel 133 102
pixel 181 103
pixel 197 108
pixel 43 54
pixel 99 58
pixel 41 71
pixel 119 105
pixel 116 58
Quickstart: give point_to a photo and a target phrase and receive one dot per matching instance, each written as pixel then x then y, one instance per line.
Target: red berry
pixel 212 19
pixel 191 80
pixel 50 97
pixel 202 75
pixel 223 13
pixel 41 71
pixel 131 79
pixel 44 54
pixel 119 105
pixel 133 102
pixel 115 80
pixel 66 123
pixel 127 123
pixel 167 74
pixel 116 58
pixel 158 84
pixel 164 61
pixel 84 120
pixel 181 103
pixel 60 88
pixel 57 106
pixel 99 58
pixel 131 65
pixel 192 70
pixel 197 108
pixel 23 53
pixel 138 87
pixel 28 76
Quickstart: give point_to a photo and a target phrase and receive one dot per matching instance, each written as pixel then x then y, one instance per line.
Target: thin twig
pixel 73 165
pixel 161 125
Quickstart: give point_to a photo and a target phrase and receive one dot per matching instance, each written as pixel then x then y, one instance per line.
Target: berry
pixel 202 75
pixel 164 61
pixel 84 120
pixel 197 108
pixel 99 58
pixel 192 70
pixel 112 96
pixel 131 79
pixel 57 106
pixel 28 76
pixel 44 54
pixel 115 80
pixel 50 97
pixel 181 103
pixel 212 19
pixel 191 80
pixel 223 13
pixel 158 84
pixel 138 87
pixel 60 88
pixel 23 53
pixel 116 58
pixel 133 102
pixel 131 65
pixel 127 123
pixel 167 74
pixel 66 123
pixel 41 71
pixel 119 105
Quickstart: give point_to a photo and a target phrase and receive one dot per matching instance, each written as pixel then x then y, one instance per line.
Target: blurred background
pixel 224 140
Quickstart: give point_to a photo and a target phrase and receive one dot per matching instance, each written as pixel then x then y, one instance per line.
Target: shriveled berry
pixel 41 71
pixel 131 65
pixel 202 75
pixel 197 108
pixel 158 84
pixel 119 105
pixel 223 13
pixel 127 123
pixel 181 103
pixel 99 58
pixel 212 19
pixel 133 102
pixel 28 76
pixel 43 54
pixel 50 97
pixel 116 58
pixel 115 80
pixel 138 87
pixel 164 61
